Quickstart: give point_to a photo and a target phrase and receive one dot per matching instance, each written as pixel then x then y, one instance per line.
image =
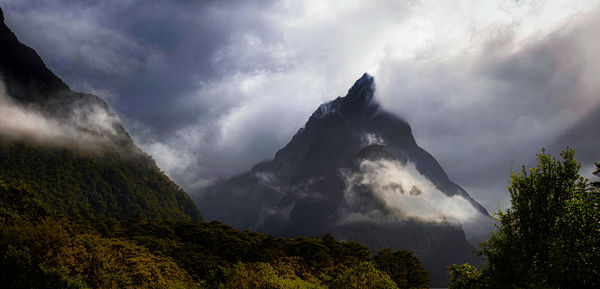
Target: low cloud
pixel 405 193
pixel 85 125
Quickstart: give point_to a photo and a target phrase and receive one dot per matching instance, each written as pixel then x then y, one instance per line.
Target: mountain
pixel 70 151
pixel 355 170
pixel 81 206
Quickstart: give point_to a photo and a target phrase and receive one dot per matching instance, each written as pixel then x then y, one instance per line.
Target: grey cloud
pixel 583 136
pixel 217 85
pixel 483 116
pixel 210 88
pixel 145 56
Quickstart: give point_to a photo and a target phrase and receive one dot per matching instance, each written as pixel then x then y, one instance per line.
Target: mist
pixel 405 192
pixel 84 126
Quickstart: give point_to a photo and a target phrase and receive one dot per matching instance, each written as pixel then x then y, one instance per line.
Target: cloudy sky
pixel 209 88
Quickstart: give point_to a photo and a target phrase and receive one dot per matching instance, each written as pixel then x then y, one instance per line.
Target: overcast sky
pixel 209 88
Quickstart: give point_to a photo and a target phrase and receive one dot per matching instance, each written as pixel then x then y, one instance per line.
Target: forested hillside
pixel 41 249
pixel 94 184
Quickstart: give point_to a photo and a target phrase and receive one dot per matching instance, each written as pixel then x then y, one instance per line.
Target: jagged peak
pixel 359 98
pixel 362 91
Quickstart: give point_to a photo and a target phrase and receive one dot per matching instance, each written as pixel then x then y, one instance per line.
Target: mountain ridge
pixel 26 76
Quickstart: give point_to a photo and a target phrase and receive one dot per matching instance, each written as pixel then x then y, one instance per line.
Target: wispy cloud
pixel 85 125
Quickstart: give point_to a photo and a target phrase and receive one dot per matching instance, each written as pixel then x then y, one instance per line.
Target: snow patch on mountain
pixel 368 139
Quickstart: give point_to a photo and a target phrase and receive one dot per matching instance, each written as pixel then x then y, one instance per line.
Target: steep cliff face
pixel 355 170
pixel 23 72
pixel 71 150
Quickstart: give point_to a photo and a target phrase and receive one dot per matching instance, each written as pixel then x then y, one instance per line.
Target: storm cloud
pixel 209 88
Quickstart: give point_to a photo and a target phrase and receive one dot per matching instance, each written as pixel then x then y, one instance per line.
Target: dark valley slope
pixel 70 150
pixel 355 170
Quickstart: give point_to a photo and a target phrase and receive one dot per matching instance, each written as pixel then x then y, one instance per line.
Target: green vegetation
pixel 152 253
pixel 49 255
pixel 363 275
pixel 70 219
pixel 549 236
pixel 403 267
pixel 597 173
pixel 103 183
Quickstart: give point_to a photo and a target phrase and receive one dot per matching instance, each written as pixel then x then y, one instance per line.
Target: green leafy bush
pixel 403 267
pixel 549 236
pixel 363 275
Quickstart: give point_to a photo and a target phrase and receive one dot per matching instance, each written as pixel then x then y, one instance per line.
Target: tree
pixel 597 173
pixel 48 255
pixel 403 267
pixel 363 276
pixel 549 236
pixel 464 276
pixel 264 276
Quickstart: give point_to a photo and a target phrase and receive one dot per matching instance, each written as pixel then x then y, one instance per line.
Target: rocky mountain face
pixel 355 170
pixel 70 150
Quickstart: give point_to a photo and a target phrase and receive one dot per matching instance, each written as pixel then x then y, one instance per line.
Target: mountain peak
pixel 362 91
pixel 358 102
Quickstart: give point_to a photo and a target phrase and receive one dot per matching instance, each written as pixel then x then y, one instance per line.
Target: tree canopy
pixel 548 238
